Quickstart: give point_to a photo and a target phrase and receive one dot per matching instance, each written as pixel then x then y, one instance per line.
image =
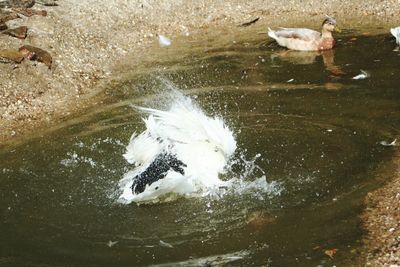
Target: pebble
pixel 19 32
pixel 11 55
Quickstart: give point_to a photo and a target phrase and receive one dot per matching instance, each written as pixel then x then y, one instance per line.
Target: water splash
pixel 204 144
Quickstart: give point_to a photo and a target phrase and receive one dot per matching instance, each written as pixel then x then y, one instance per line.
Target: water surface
pixel 312 130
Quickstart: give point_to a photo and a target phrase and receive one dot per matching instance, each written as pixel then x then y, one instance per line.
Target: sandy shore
pixel 382 221
pixel 89 39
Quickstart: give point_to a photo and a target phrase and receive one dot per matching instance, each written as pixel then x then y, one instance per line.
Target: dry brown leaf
pixel 330 252
pixel 337 71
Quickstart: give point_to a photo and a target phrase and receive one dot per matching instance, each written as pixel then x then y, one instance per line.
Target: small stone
pixel 47 2
pixel 19 32
pixel 38 54
pixel 11 55
pixel 16 3
pixel 3 27
pixel 29 12
pixel 6 16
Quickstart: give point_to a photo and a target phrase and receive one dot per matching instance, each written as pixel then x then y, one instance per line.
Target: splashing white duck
pixel 396 33
pixel 182 151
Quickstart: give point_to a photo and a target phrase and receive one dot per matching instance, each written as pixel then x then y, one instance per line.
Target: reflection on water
pixel 309 57
pixel 319 148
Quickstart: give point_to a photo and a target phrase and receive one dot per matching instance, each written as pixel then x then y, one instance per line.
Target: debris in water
pixel 250 22
pixel 164 41
pixel 330 252
pixel 363 75
pixel 336 70
pixel 258 219
pixel 289 81
pixel 386 143
pixel 165 244
pixel 234 258
pixel 111 243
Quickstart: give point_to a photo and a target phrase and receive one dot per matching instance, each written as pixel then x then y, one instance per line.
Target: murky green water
pixel 317 130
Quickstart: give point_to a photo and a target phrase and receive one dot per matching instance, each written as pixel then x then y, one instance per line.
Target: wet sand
pixel 90 42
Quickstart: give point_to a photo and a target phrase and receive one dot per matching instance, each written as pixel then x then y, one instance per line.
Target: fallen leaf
pixel 330 252
pixel 250 22
pixel 259 219
pixel 337 71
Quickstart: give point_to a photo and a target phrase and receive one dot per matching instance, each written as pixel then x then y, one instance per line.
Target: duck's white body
pixel 300 39
pixel 202 143
pixel 396 33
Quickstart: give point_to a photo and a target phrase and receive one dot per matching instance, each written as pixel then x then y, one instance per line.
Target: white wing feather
pixel 396 33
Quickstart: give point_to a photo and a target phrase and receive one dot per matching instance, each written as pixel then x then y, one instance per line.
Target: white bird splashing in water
pixel 182 152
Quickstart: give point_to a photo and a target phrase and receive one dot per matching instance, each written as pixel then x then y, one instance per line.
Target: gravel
pixel 382 221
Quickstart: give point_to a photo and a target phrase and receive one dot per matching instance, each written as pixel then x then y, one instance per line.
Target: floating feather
pixel 163 41
pixel 363 75
pixel 396 33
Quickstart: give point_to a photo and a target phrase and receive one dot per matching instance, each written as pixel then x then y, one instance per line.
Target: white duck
pixel 305 39
pixel 182 151
pixel 396 33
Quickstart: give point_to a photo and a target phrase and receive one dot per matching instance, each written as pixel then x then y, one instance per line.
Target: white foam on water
pixel 203 143
pixel 75 159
